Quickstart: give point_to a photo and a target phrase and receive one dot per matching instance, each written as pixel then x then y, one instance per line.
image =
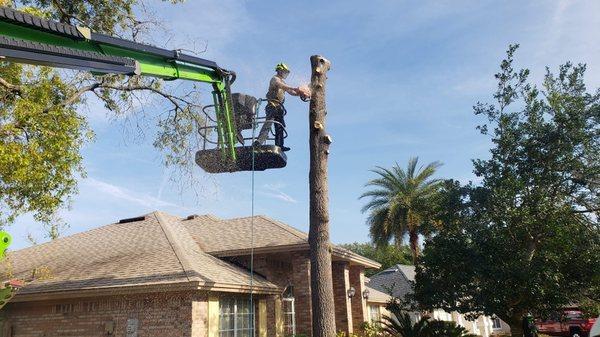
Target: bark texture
pixel 323 312
pixel 413 237
pixel 516 325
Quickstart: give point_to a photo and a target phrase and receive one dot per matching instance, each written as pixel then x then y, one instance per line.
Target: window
pixel 289 312
pixel 289 317
pixel 572 314
pixel 496 323
pixel 375 313
pixel 236 318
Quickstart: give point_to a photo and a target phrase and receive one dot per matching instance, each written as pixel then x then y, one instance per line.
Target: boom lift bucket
pixel 248 157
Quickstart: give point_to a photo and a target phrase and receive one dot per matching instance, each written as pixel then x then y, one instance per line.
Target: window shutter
pixel 262 318
pixel 213 316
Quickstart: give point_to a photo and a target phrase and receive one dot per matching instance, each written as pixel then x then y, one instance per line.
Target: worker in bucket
pixel 274 109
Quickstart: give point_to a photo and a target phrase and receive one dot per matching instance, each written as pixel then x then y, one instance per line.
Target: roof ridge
pixel 284 226
pixel 399 268
pixel 212 216
pixel 177 249
pixel 196 216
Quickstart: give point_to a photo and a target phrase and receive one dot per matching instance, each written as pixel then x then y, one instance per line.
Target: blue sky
pixel 404 78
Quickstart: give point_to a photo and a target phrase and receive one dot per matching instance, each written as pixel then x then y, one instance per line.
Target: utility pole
pixel 323 311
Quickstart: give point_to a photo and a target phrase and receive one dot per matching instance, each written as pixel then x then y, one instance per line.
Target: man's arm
pixel 282 85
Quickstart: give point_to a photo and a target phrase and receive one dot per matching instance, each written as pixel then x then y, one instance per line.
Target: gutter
pixel 141 289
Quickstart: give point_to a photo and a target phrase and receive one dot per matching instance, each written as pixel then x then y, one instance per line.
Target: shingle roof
pixel 397 280
pixel 234 236
pixel 376 296
pixel 157 249
pixel 215 235
pixel 152 250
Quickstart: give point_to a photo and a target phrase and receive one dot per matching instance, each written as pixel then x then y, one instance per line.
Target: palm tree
pixel 439 328
pixel 400 324
pixel 400 201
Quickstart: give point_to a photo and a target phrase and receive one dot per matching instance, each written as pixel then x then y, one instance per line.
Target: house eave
pixel 140 289
pixel 338 253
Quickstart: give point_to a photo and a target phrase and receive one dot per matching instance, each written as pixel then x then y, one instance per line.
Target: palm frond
pixel 428 171
pixel 411 167
pixel 374 204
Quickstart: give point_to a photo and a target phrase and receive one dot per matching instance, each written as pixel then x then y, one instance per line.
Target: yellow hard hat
pixel 282 66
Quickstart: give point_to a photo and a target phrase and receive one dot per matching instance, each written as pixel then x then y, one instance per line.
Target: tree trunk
pixel 323 313
pixel 516 330
pixel 516 325
pixel 413 237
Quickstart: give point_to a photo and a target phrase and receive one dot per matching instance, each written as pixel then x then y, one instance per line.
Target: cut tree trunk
pixel 323 312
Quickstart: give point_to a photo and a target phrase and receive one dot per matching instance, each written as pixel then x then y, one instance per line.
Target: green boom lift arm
pixel 29 39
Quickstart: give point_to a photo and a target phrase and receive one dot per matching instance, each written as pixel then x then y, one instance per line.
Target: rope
pixel 253 316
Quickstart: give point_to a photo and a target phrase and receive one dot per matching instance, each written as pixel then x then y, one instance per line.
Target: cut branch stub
pixel 320 67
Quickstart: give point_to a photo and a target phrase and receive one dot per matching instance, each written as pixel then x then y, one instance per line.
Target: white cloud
pixel 125 194
pixel 275 191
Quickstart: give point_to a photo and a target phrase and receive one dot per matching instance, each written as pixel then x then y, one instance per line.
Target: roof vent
pixel 136 219
pixel 193 216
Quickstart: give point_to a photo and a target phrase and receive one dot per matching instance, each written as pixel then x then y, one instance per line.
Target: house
pixel 376 305
pixel 398 282
pixel 161 275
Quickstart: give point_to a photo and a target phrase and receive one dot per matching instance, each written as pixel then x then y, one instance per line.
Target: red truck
pixel 570 323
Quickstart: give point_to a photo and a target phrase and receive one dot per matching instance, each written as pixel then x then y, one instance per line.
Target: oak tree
pixel 527 239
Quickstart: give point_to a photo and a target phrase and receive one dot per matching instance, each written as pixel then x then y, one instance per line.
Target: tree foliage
pixel 388 255
pixel 40 144
pixel 400 203
pixel 401 324
pixel 527 239
pixel 43 129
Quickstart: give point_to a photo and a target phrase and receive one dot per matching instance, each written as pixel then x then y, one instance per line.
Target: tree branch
pixel 13 88
pixel 175 100
pixel 66 17
pixel 73 98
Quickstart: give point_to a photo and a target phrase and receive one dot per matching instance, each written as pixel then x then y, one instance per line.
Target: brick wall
pixel 293 268
pixel 343 309
pixel 285 269
pixel 359 304
pixel 156 315
pixel 301 282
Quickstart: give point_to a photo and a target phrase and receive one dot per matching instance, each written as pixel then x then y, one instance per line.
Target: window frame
pixel 378 307
pixel 292 314
pixel 494 320
pixel 236 331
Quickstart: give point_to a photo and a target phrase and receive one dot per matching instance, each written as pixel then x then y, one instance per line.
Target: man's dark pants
pixel 274 114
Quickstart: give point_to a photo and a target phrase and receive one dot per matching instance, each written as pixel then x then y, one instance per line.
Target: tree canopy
pixel 43 129
pixel 527 239
pixel 388 255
